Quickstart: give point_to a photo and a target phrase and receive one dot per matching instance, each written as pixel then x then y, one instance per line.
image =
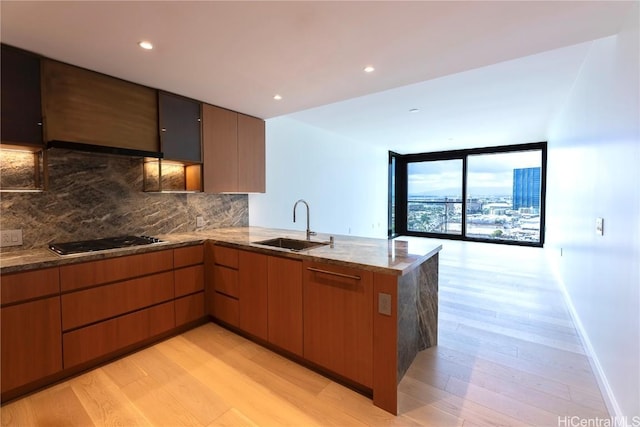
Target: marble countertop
pixel 397 256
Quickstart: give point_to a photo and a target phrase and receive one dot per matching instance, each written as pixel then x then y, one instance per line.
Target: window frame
pixel 401 190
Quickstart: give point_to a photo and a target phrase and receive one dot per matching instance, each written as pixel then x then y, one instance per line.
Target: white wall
pixel 344 182
pixel 594 171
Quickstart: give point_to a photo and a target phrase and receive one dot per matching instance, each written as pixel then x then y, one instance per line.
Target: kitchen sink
pixel 292 244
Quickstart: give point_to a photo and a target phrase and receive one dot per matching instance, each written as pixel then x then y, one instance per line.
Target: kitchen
pixel 72 192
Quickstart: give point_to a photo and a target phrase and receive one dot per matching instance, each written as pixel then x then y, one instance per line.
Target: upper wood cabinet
pixel 21 109
pixel 180 127
pixel 251 154
pixel 92 108
pixel 233 151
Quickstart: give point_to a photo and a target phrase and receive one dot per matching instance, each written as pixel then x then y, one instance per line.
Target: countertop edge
pixel 44 258
pixel 62 260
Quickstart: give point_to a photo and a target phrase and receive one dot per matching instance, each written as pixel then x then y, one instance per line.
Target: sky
pixel 488 174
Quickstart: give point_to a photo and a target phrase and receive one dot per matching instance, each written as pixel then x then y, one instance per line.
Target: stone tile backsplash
pixel 92 195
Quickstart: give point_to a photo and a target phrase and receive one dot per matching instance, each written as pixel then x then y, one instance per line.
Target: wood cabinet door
pixel 180 120
pixel 252 284
pixel 189 308
pixel 284 282
pixel 251 154
pixel 31 342
pixel 338 320
pixel 219 149
pixel 88 107
pixel 21 110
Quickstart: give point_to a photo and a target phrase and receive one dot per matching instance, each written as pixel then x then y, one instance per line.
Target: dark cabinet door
pixel 180 128
pixel 21 107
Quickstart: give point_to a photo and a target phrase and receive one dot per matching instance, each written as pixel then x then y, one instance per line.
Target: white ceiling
pixel 478 70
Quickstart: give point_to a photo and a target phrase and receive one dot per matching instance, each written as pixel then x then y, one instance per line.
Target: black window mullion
pixel 463 223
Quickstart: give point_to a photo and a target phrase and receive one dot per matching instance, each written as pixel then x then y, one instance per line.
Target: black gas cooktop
pixel 69 248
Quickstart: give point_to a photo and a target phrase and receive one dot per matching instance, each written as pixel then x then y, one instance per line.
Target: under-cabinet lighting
pixel 146 45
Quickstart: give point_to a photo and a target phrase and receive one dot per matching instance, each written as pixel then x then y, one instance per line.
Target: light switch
pixel 600 226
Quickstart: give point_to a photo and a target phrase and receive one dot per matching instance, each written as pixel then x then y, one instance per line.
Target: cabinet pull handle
pixel 333 273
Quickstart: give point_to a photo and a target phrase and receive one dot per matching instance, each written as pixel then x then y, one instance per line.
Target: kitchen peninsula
pixel 358 310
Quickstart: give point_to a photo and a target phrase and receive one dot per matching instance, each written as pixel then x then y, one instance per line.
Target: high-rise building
pixel 526 188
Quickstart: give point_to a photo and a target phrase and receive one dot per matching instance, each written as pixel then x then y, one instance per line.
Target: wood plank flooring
pixel 508 355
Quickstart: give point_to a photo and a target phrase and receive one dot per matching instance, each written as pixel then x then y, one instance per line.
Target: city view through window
pixel 502 203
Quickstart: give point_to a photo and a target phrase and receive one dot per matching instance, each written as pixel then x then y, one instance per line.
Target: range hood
pixel 103 149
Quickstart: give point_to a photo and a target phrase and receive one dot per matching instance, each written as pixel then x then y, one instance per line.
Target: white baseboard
pixel 601 378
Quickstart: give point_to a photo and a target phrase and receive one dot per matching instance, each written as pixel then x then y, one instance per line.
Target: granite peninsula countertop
pixel 397 256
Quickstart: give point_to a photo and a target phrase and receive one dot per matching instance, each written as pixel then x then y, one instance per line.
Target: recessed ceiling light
pixel 277 97
pixel 145 45
pixel 414 110
pixel 369 69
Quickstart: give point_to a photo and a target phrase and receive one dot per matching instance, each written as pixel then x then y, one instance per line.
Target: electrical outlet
pixel 199 221
pixel 11 238
pixel 384 304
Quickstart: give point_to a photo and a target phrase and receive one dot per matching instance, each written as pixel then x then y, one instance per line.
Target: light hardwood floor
pixel 508 354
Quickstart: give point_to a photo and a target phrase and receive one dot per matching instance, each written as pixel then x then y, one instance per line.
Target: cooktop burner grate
pixel 83 246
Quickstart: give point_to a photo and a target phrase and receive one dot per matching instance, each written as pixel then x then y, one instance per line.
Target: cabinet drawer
pixel 103 338
pixel 189 280
pixel 30 284
pixel 225 280
pixel 225 256
pixel 31 342
pixel 91 305
pixel 189 308
pixel 191 255
pixel 226 309
pixel 87 274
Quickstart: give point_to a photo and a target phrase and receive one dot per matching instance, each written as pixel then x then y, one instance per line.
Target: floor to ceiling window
pixel 491 194
pixel 434 196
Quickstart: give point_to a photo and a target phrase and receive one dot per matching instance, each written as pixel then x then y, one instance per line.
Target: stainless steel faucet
pixel 309 232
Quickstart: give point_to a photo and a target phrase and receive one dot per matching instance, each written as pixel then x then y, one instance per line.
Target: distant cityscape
pixel 514 216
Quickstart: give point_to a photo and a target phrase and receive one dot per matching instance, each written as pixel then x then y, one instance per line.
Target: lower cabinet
pixel 252 291
pixel 92 342
pixel 222 287
pixel 64 318
pixel 190 308
pixel 338 320
pixel 259 294
pixel 284 283
pixel 31 336
pixel 189 285
pixel 318 311
pixel 31 342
